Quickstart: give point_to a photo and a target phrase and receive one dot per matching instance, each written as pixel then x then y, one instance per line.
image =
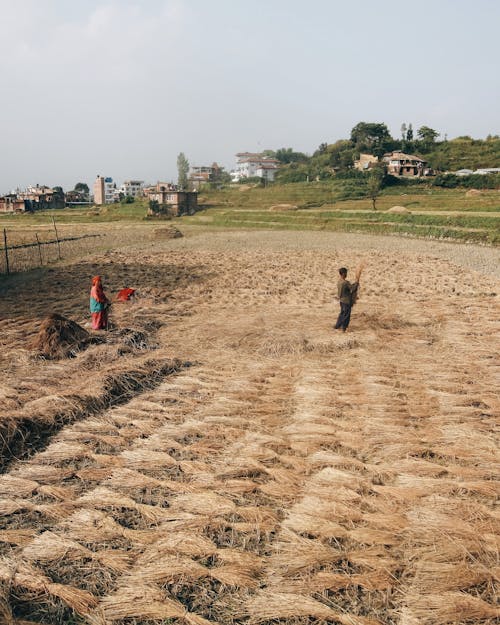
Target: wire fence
pixel 21 251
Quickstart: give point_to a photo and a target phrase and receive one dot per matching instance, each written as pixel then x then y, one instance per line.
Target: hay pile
pixel 473 193
pixel 283 207
pixel 59 337
pixel 398 209
pixel 171 232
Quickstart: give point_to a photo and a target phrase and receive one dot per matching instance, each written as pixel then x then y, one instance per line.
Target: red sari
pixel 98 305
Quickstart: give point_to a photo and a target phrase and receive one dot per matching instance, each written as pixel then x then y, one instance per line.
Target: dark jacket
pixel 347 291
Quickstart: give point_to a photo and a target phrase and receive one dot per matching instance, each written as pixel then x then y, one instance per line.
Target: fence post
pixel 57 238
pixel 6 250
pixel 39 248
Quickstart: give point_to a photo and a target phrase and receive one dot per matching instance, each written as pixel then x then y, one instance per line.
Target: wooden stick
pixel 57 238
pixel 39 248
pixel 6 250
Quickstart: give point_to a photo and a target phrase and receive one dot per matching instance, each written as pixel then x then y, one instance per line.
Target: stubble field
pixel 225 456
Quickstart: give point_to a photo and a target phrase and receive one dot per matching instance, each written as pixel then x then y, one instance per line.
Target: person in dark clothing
pixel 347 293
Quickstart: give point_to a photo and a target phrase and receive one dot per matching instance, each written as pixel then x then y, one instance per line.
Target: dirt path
pixel 285 473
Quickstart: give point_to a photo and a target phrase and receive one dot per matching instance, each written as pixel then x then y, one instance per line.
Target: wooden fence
pixel 15 257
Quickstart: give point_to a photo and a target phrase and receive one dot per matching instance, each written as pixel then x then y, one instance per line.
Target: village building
pixel 165 198
pixel 365 162
pixel 253 165
pixel 105 191
pixel 132 188
pixel 11 203
pixel 39 197
pixel 200 175
pixel 401 164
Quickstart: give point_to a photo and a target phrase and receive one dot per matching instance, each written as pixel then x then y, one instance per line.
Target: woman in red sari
pixel 99 305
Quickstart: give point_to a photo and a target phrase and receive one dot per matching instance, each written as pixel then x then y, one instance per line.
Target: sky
pixel 120 87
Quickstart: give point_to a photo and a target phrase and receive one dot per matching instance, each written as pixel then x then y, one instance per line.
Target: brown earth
pixel 226 456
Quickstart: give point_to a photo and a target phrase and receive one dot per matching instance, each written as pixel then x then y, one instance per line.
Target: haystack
pixel 473 193
pixel 171 232
pixel 283 207
pixel 398 209
pixel 59 337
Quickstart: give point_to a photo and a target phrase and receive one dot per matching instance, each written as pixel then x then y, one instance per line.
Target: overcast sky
pixel 120 87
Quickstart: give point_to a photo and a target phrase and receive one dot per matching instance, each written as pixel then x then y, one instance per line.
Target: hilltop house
pixel 365 162
pixel 251 165
pixel 401 164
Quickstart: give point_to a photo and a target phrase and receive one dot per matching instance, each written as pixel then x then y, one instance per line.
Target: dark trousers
pixel 344 316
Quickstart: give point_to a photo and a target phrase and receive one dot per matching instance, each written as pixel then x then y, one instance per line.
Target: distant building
pixel 200 175
pixel 171 201
pixel 105 191
pixel 132 188
pixel 401 164
pixel 39 197
pixel 250 165
pixel 11 203
pixel 365 162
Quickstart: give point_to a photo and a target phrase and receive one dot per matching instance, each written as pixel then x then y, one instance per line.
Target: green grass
pixel 447 213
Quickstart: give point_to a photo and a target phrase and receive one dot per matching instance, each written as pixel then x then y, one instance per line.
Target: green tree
pixel 427 137
pixel 409 133
pixel 372 137
pixel 82 187
pixel 182 171
pixel 287 155
pixel 374 185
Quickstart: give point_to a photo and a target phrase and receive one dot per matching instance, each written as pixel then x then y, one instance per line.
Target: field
pixel 222 455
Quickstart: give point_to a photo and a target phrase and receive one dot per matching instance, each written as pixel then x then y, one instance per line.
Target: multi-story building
pixel 401 164
pixel 250 165
pixel 132 188
pixel 105 191
pixel 170 201
pixel 202 174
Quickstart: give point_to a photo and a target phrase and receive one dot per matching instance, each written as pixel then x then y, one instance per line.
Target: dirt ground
pixel 225 456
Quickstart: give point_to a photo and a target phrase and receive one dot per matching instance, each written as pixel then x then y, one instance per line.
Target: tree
pixel 409 133
pixel 182 171
pixel 374 185
pixel 82 187
pixel 427 136
pixel 371 137
pixel 403 131
pixel 287 155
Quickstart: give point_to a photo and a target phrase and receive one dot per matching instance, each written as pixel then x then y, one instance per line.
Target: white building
pixel 250 165
pixel 132 188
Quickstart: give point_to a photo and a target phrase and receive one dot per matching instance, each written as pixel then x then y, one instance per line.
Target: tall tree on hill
pixel 427 137
pixel 182 171
pixel 372 137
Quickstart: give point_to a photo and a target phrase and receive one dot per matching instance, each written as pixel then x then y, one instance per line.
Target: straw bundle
pixel 181 542
pixel 268 606
pixel 102 497
pixel 38 586
pixel 206 502
pixel 10 485
pixel 300 554
pixel 451 607
pixel 48 547
pixel 60 337
pixel 147 459
pixel 145 602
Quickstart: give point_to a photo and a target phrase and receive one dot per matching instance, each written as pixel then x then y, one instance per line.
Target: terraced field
pixel 226 457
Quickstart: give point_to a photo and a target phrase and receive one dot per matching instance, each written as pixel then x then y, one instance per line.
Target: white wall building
pixel 251 165
pixel 132 188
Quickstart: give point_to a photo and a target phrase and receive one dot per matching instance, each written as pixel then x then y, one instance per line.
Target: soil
pixel 291 473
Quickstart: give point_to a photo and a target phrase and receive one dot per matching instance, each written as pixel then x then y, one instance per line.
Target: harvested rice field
pixel 222 455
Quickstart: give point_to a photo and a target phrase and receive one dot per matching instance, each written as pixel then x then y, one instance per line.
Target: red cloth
pixel 125 294
pixel 100 320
